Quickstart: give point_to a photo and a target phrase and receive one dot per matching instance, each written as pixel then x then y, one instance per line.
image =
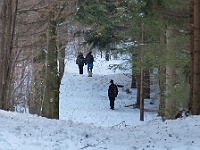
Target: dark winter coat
pixel 111 91
pixel 89 58
pixel 80 60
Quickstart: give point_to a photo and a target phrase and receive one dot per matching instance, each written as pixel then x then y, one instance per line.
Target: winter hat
pixel 111 81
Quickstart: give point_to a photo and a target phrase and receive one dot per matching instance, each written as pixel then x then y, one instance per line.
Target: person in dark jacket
pixel 112 93
pixel 89 61
pixel 80 61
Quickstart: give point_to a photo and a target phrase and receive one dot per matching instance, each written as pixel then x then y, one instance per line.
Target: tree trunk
pixel 196 56
pixel 170 102
pixel 162 86
pixel 10 86
pixel 37 96
pixel 61 59
pixel 146 84
pixel 162 79
pixel 61 56
pixel 51 99
pixel 141 95
pixel 137 105
pixel 2 52
pixel 8 27
pixel 133 82
pixel 191 9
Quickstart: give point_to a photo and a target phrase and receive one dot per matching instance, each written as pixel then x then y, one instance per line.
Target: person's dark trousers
pixel 112 102
pixel 80 69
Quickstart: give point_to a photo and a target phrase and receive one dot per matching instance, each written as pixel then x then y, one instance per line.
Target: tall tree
pixel 100 16
pixel 196 57
pixel 191 25
pixel 55 52
pixel 8 18
pixel 170 101
pixel 51 98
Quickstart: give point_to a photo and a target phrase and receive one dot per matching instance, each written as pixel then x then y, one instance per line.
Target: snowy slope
pixel 86 122
pixel 84 99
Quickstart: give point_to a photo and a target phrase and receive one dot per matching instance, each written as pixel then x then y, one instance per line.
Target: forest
pixel 157 34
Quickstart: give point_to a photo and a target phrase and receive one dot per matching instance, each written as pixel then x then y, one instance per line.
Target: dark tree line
pixel 33 41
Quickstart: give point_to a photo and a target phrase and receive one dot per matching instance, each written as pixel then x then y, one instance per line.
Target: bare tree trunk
pixel 196 56
pixel 191 8
pixel 137 105
pixel 61 59
pixel 133 83
pixel 141 95
pixel 162 79
pixel 37 96
pixel 51 100
pixel 170 102
pixel 61 55
pixel 55 53
pixel 2 52
pixel 146 84
pixel 8 26
pixel 7 58
pixel 10 87
pixel 162 85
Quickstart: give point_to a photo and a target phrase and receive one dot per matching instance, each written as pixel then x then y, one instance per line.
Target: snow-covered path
pixel 87 123
pixel 84 99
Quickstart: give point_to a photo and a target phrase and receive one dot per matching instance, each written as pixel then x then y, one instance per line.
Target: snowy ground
pixel 86 122
pixel 85 99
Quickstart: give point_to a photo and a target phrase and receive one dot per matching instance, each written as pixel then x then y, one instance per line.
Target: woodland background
pixel 156 34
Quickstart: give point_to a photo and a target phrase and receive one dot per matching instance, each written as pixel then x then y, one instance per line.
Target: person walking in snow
pixel 89 62
pixel 112 93
pixel 80 61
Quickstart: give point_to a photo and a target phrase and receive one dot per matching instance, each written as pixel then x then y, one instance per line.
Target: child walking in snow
pixel 112 93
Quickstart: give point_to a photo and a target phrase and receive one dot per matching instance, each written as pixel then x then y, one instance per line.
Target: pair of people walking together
pixel 88 60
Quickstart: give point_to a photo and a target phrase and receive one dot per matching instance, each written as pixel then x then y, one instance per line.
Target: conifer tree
pixel 156 18
pixel 162 15
pixel 100 16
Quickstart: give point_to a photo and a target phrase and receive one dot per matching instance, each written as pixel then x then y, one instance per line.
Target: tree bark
pixel 146 84
pixel 2 52
pixel 162 86
pixel 137 105
pixel 61 55
pixel 162 78
pixel 141 95
pixel 133 82
pixel 196 56
pixel 8 27
pixel 170 102
pixel 51 100
pixel 37 95
pixel 191 9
